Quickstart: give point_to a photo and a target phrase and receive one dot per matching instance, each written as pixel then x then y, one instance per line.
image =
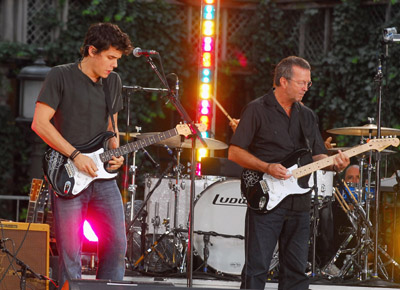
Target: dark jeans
pixel 103 200
pixel 292 230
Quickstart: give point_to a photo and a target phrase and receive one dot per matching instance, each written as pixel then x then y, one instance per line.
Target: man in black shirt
pixel 269 131
pixel 71 110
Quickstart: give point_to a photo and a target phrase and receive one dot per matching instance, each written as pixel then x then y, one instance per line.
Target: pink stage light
pixel 89 233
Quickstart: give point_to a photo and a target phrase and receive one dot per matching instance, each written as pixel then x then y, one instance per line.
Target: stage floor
pixel 223 284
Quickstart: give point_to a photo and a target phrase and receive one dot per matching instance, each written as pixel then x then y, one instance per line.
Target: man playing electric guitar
pixel 71 110
pixel 271 128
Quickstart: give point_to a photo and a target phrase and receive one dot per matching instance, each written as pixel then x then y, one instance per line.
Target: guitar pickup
pixel 69 169
pixel 264 186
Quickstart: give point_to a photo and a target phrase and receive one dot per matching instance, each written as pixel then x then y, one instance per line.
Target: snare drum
pixel 324 183
pixel 161 205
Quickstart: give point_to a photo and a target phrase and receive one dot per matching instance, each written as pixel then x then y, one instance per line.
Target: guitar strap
pixel 106 90
pixel 302 125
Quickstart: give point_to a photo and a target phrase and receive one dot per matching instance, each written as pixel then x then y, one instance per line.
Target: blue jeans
pixel 102 199
pixel 263 231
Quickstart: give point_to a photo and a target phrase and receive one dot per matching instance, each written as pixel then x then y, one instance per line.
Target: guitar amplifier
pixel 30 244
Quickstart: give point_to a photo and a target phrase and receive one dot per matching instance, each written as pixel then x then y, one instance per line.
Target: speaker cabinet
pixel 30 244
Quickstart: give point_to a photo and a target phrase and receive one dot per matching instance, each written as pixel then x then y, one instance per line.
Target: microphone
pixel 155 164
pixel 138 52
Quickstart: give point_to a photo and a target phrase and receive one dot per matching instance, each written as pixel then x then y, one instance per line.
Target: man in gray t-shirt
pixel 71 110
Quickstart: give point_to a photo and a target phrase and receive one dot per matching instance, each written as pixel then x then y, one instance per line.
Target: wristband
pixel 74 154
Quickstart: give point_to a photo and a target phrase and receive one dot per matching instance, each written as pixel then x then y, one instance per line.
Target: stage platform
pixel 204 283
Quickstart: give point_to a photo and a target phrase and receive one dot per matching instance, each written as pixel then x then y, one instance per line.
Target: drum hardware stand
pixel 357 214
pixel 315 224
pixel 152 248
pixel 129 227
pixel 207 242
pixel 206 251
pixel 396 191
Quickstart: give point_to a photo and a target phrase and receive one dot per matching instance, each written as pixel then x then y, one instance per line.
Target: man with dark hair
pixel 70 112
pixel 270 129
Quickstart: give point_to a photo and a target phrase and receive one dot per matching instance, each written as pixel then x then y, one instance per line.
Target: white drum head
pixel 220 212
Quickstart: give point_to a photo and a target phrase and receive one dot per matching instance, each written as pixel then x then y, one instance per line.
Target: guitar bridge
pixel 69 169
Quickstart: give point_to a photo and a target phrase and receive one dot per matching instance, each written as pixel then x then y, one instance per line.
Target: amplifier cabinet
pixel 30 243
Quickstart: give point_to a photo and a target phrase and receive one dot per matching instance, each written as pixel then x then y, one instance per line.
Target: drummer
pixel 352 174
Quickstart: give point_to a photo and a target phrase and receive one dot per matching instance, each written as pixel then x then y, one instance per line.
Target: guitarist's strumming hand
pixel 85 164
pixel 278 171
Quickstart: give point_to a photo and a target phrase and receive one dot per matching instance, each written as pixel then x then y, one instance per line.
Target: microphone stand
pixel 24 268
pixel 195 134
pixel 378 79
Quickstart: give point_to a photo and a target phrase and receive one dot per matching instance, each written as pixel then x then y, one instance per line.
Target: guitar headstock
pixel 382 143
pixel 36 186
pixel 183 129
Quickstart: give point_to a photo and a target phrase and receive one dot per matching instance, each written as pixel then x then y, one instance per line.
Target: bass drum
pixel 219 213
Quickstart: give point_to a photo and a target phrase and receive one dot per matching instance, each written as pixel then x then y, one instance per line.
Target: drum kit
pixel 158 226
pixel 353 257
pixel 158 237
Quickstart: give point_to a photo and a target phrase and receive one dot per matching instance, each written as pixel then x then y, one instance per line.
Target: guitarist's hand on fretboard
pixel 115 163
pixel 86 164
pixel 341 161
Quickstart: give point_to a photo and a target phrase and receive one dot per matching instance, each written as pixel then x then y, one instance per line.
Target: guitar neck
pixel 135 146
pixel 323 163
pixel 30 216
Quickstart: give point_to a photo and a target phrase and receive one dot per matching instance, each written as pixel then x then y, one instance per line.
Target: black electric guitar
pixel 264 192
pixel 67 181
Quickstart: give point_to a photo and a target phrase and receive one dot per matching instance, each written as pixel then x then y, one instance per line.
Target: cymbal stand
pixel 132 170
pixel 130 229
pixel 315 222
pixel 359 222
pixel 350 253
pixel 378 79
pixel 176 190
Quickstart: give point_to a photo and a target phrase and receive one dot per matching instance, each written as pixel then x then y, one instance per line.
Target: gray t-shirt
pixel 81 110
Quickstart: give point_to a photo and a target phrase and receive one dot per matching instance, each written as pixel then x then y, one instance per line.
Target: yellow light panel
pixel 202 152
pixel 206 59
pixel 208 28
pixel 205 91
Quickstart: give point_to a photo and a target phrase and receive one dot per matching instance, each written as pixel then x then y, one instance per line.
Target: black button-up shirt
pixel 267 132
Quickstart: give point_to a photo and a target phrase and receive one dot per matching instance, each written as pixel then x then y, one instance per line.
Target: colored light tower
pixel 207 69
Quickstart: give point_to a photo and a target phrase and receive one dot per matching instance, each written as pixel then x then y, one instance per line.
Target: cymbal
pixel 181 142
pixel 336 149
pixel 364 130
pixel 123 134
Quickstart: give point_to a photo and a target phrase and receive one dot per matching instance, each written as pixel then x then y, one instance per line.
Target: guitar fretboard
pixel 375 144
pixel 134 146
